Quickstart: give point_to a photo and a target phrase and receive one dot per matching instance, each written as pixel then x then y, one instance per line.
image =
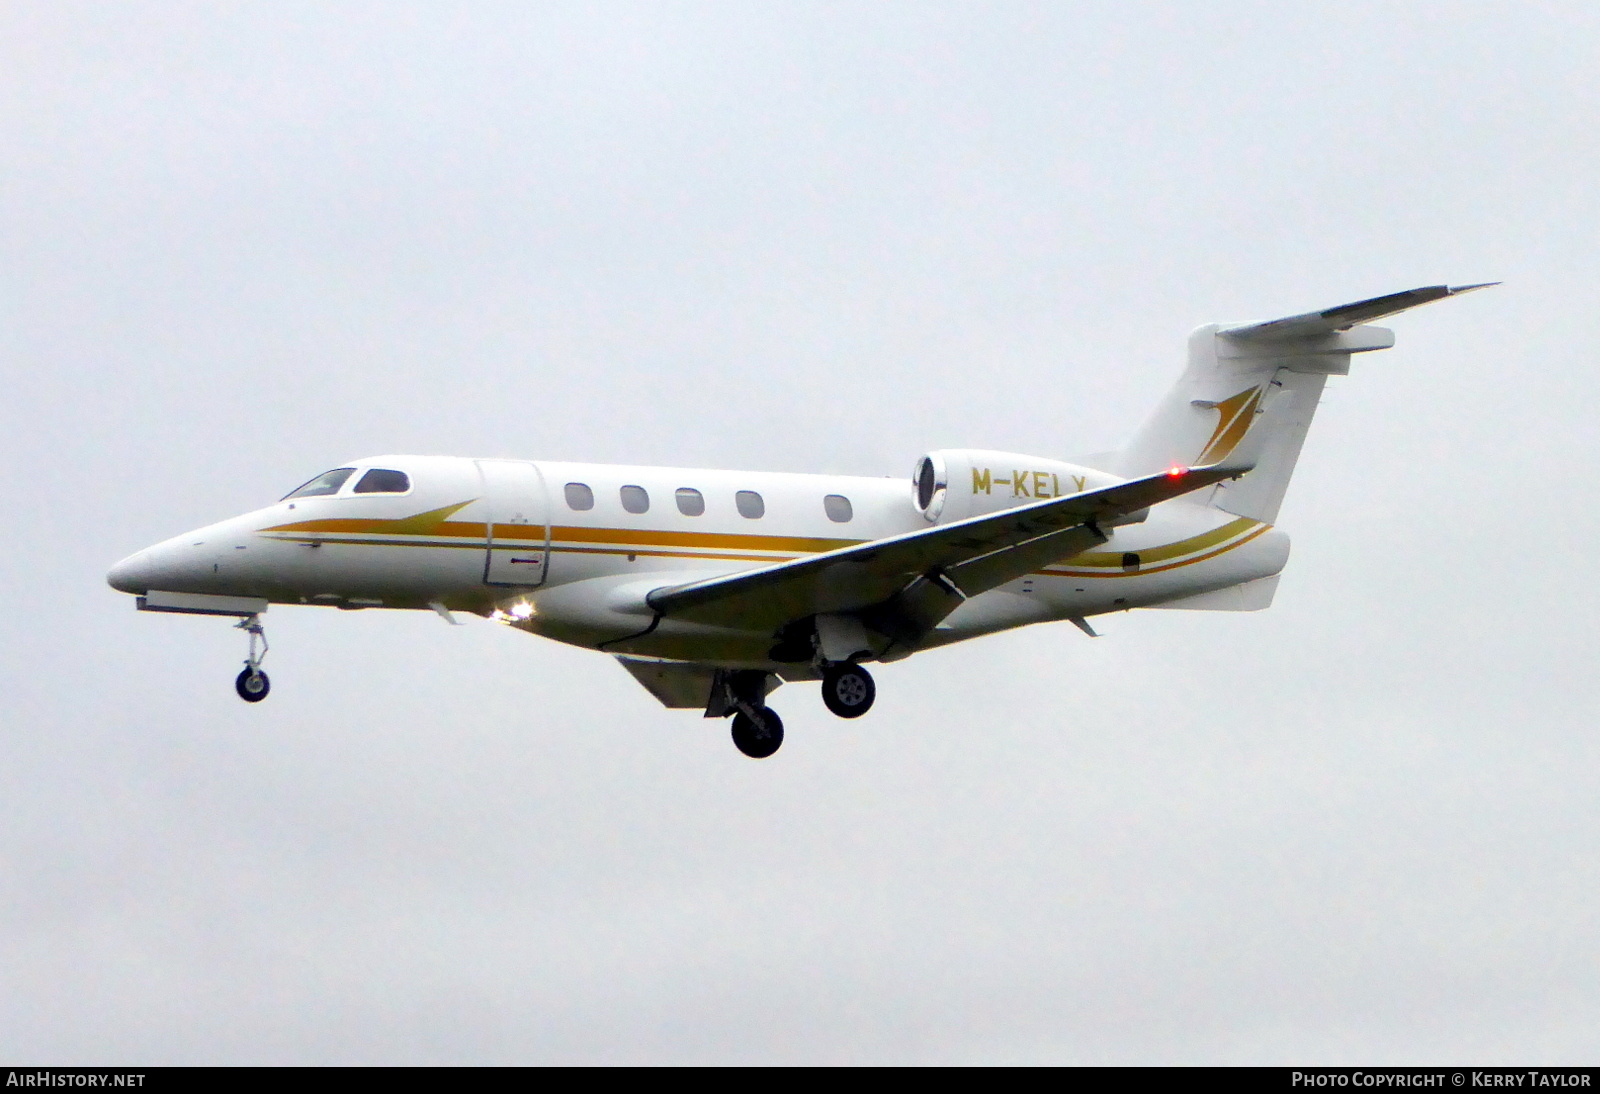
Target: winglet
pixel 1331 320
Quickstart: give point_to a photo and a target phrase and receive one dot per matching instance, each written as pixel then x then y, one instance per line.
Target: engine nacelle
pixel 955 483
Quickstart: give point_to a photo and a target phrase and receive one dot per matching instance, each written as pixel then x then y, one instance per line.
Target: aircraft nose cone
pixel 132 574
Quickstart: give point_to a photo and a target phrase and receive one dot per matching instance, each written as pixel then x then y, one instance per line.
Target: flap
pixel 679 685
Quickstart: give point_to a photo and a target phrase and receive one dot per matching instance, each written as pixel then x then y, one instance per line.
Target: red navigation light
pixel 1177 472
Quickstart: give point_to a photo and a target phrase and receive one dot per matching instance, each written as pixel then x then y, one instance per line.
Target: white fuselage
pixel 569 550
pixel 712 587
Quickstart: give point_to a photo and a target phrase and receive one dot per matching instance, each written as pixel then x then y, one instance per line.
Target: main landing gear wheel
pixel 759 733
pixel 252 685
pixel 848 690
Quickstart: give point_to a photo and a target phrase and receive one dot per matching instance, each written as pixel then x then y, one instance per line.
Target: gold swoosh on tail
pixel 1234 415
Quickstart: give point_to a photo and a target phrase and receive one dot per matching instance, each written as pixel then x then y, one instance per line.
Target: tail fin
pixel 1260 376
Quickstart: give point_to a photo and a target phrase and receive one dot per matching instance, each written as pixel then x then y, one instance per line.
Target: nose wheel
pixel 848 690
pixel 252 684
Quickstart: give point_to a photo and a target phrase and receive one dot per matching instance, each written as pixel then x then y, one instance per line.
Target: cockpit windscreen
pixel 326 483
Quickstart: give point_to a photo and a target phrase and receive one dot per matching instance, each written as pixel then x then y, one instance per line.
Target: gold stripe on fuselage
pixel 1201 547
pixel 431 529
pixel 431 525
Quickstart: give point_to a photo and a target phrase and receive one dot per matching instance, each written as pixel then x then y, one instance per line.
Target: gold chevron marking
pixel 431 523
pixel 1234 415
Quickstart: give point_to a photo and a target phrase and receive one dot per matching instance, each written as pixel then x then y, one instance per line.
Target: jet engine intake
pixel 955 483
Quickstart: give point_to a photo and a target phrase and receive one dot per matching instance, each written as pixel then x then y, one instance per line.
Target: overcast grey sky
pixel 242 243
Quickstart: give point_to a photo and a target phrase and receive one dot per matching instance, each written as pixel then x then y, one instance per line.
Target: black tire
pixel 758 737
pixel 252 686
pixel 848 690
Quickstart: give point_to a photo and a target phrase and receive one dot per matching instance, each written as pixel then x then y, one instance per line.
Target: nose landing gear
pixel 252 684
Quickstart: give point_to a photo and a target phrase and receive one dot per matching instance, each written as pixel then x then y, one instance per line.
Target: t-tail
pixel 1265 377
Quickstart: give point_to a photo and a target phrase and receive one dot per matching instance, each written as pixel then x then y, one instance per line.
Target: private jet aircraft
pixel 713 587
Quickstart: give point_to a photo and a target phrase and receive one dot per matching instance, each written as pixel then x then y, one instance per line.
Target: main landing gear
pixel 848 690
pixel 757 729
pixel 252 684
pixel 757 733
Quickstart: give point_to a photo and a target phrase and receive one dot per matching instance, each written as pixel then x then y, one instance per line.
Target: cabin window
pixel 691 503
pixel 838 508
pixel 750 504
pixel 1130 562
pixel 326 483
pixel 579 496
pixel 381 481
pixel 635 499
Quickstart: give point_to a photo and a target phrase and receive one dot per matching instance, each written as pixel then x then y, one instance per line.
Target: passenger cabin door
pixel 518 531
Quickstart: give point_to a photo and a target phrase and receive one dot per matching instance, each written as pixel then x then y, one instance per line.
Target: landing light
pixel 521 611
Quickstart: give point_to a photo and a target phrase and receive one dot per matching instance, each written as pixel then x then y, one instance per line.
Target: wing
pixel 1318 323
pixel 904 584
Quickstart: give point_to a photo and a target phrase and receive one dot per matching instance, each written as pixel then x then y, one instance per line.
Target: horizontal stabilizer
pixel 1318 324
